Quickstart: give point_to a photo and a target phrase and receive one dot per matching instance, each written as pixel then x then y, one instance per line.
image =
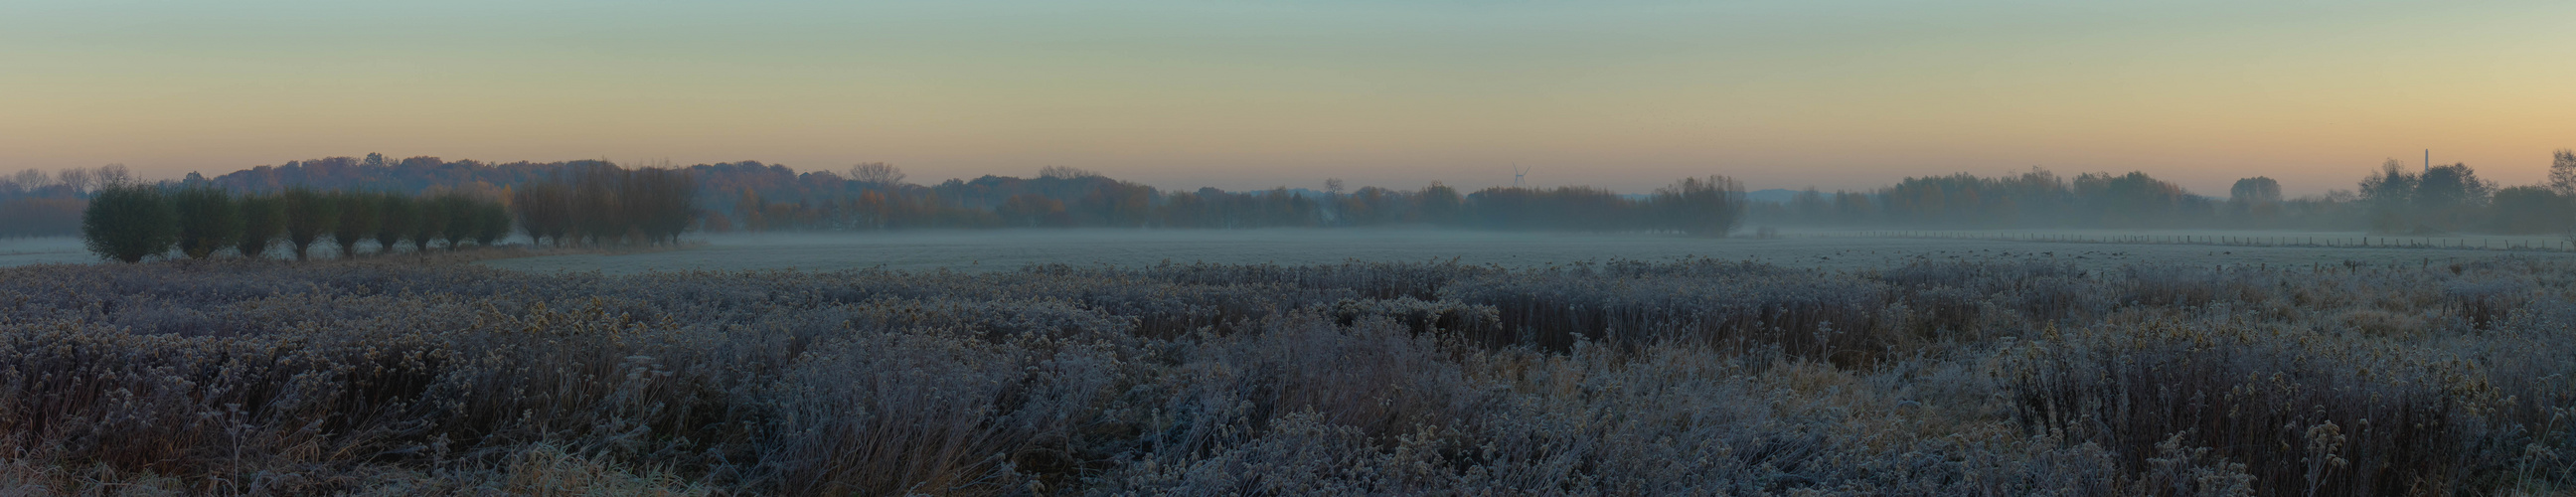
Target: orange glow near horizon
pixel 1625 95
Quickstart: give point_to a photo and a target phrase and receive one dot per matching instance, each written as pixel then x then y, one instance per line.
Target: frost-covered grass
pixel 2005 376
pixel 19 251
pixel 1004 250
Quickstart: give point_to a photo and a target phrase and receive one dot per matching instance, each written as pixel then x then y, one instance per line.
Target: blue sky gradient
pixel 1626 95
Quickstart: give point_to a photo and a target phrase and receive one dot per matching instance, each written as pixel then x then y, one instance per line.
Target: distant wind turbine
pixel 1518 172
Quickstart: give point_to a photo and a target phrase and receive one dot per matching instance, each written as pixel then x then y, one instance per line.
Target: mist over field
pixel 1005 248
pixel 1010 250
pixel 599 330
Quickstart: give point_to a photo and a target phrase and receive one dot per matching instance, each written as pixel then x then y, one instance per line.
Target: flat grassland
pixel 44 250
pixel 1005 250
pixel 1012 249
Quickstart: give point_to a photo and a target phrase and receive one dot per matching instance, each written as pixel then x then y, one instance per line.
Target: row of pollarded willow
pixel 130 222
pixel 604 203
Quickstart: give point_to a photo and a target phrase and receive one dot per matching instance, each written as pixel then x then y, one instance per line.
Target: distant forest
pixel 752 196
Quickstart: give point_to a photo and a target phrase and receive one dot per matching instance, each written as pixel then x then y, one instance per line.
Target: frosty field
pixel 1005 250
pixel 43 250
pixel 2106 371
pixel 975 251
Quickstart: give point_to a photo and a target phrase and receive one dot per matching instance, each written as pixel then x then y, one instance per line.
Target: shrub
pixel 1689 377
pixel 2306 415
pixel 208 220
pixel 129 222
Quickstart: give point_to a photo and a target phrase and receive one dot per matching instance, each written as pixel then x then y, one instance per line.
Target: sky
pixel 1626 95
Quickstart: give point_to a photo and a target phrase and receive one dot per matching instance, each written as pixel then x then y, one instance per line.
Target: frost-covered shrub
pixel 2303 412
pixel 1811 315
pixel 1624 377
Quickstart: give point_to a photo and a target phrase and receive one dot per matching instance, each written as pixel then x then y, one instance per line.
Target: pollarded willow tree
pixel 127 223
pixel 463 221
pixel 595 212
pixel 309 215
pixel 659 203
pixel 396 218
pixel 427 223
pixel 263 219
pixel 544 210
pixel 493 225
pixel 359 215
pixel 606 204
pixel 208 220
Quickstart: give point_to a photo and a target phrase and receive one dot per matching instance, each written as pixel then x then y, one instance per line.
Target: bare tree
pixel 2562 173
pixel 33 178
pixel 877 173
pixel 113 175
pixel 78 179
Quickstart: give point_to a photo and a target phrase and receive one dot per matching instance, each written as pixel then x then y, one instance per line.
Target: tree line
pixel 2391 198
pixel 36 203
pixel 1062 197
pixel 600 204
pixel 132 221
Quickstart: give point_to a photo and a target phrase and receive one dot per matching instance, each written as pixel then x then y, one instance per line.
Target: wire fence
pixel 2333 241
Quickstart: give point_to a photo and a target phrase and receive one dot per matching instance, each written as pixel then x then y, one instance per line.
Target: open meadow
pixel 1007 250
pixel 1076 363
pixel 20 251
pixel 1003 250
